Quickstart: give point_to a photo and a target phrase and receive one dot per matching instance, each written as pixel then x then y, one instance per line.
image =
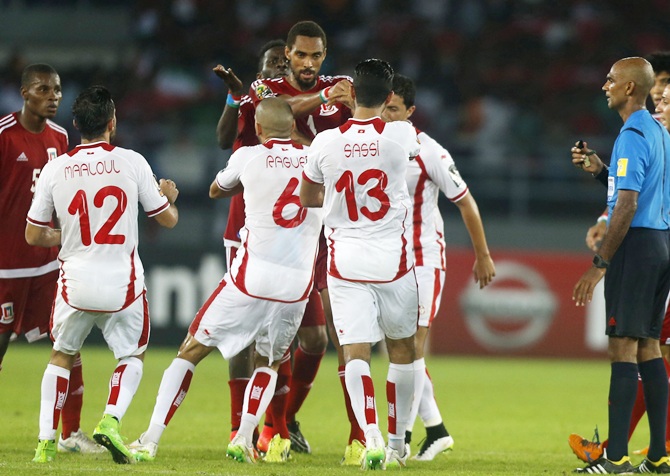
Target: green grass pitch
pixel 507 416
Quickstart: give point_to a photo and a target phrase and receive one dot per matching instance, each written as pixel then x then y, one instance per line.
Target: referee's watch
pixel 600 262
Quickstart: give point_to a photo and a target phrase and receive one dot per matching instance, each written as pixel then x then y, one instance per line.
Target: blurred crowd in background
pixel 507 86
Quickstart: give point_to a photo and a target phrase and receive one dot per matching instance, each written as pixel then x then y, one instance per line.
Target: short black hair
pixel 268 46
pixel 307 28
pixel 404 87
pixel 373 81
pixel 33 69
pixel 92 110
pixel 660 61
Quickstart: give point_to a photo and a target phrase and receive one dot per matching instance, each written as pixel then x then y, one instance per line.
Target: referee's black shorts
pixel 637 284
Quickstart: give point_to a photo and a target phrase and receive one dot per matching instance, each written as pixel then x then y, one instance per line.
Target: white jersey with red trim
pixel 279 237
pixel 433 170
pixel 95 189
pixel 368 211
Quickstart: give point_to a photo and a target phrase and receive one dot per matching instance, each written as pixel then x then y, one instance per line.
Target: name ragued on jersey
pixel 100 167
pixel 366 149
pixel 277 162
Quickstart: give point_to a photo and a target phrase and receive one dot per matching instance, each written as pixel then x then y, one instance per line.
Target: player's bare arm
pixel 585 158
pixel 622 216
pixel 595 235
pixel 215 191
pixel 226 128
pixel 311 194
pixel 484 269
pixel 43 236
pixel 170 216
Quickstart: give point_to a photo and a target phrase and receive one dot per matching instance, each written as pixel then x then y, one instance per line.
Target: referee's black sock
pixel 655 384
pixel 623 389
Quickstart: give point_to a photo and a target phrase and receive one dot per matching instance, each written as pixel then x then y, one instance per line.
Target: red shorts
pixel 321 268
pixel 314 315
pixel 25 305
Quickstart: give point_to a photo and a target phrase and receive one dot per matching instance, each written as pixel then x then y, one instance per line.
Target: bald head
pixel 275 118
pixel 639 71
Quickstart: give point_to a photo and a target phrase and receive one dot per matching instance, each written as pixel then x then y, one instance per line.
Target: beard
pixel 305 85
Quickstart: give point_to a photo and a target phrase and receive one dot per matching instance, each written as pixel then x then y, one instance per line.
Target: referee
pixel 635 257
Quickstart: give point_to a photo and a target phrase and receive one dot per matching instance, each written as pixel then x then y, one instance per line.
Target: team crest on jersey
pixel 621 167
pixel 327 110
pixel 52 153
pixel 7 313
pixel 263 91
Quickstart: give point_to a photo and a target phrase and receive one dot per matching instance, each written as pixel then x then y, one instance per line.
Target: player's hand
pixel 583 291
pixel 341 93
pixel 585 158
pixel 169 189
pixel 484 270
pixel 233 82
pixel 595 235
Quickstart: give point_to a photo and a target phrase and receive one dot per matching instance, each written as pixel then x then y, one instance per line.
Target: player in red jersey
pixel 28 140
pixel 318 103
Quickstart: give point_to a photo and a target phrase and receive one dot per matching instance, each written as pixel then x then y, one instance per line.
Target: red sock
pixel 638 409
pixel 277 409
pixel 355 432
pixel 237 387
pixel 71 415
pixel 305 366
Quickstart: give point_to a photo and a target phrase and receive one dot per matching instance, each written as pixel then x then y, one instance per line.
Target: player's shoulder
pixel 7 122
pixel 267 87
pixel 56 128
pixel 400 127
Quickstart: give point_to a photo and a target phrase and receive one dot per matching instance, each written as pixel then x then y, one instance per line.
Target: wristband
pixel 233 102
pixel 323 94
pixel 601 218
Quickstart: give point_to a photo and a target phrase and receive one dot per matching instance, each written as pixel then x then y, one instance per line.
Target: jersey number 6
pixel 286 198
pixel 79 205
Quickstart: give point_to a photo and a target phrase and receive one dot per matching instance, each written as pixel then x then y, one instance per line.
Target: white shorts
pixel 366 312
pixel 231 320
pixel 126 332
pixel 431 283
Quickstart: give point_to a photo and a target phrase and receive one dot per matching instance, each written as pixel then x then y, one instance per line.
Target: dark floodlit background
pixel 507 86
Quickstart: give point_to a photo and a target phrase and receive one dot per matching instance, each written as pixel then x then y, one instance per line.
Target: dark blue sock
pixel 655 384
pixel 623 390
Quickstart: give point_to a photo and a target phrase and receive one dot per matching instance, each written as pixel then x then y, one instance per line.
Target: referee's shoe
pixel 660 467
pixel 605 466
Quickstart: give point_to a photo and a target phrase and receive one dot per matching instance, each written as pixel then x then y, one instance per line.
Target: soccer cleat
pixel 298 442
pixel 279 450
pixel 375 453
pixel 79 442
pixel 605 466
pixel 45 451
pixel 107 435
pixel 587 451
pixel 353 454
pixel 431 448
pixel 393 458
pixel 662 466
pixel 264 439
pixel 646 450
pixel 143 451
pixel 240 451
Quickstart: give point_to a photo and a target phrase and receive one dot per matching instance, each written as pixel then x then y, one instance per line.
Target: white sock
pixel 362 394
pixel 171 392
pixel 419 377
pixel 400 394
pixel 428 410
pixel 55 382
pixel 123 385
pixel 257 397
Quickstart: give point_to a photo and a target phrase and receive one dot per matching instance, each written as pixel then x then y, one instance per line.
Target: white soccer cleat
pixel 430 450
pixel 143 451
pixel 394 459
pixel 79 442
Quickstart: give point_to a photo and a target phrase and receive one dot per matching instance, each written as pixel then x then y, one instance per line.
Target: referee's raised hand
pixel 585 158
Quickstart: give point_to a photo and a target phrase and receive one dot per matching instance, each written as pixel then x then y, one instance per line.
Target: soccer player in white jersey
pixel 433 171
pixel 263 296
pixel 357 173
pixel 94 190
